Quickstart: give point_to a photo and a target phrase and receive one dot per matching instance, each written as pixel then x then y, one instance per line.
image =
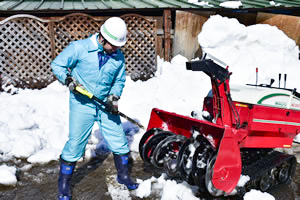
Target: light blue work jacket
pixel 82 58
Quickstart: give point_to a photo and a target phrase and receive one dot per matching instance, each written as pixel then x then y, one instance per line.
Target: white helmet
pixel 114 30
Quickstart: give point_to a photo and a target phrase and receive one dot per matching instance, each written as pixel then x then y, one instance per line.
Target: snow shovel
pixel 91 96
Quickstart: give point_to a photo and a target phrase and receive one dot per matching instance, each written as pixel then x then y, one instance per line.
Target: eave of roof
pixel 27 5
pixel 14 6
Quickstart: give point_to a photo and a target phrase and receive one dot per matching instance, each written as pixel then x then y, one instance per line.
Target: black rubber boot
pixel 64 180
pixel 123 167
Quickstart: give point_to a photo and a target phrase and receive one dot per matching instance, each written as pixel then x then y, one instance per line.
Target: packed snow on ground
pixel 34 123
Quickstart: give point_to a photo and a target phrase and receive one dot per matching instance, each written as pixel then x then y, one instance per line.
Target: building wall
pixel 290 25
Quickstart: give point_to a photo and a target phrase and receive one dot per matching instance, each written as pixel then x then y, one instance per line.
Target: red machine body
pixel 237 124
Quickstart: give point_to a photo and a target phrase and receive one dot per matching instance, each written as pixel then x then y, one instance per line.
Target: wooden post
pixel 167 34
pixel 52 38
pixel 187 27
pixel 1 90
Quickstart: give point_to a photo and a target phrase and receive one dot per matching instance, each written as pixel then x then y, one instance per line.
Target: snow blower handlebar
pixel 82 91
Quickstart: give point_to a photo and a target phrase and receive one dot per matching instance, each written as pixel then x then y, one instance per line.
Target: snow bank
pixel 246 48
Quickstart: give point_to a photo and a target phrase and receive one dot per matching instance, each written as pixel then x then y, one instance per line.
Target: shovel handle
pixel 91 96
pixel 84 92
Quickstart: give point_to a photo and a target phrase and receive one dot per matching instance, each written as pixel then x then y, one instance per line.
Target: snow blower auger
pixel 246 125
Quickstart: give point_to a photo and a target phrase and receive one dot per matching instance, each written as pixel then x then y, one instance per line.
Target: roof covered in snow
pixel 66 5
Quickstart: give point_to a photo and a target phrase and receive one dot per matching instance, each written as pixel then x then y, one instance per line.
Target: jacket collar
pixel 94 44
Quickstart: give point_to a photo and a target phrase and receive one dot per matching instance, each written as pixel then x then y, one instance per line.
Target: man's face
pixel 109 48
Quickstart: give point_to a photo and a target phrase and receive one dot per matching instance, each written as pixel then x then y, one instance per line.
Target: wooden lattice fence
pixel 28 45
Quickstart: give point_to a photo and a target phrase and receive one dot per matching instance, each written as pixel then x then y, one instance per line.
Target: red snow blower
pixel 245 126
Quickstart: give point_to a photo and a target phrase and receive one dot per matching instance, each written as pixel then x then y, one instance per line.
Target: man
pixel 98 65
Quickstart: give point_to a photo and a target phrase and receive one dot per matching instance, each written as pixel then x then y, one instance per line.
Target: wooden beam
pixel 167 34
pixel 52 39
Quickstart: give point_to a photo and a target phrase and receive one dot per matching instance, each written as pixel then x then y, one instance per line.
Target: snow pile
pixel 243 180
pixel 246 48
pixel 273 3
pixel 159 92
pixel 7 175
pixel 258 195
pixel 231 4
pixel 201 3
pixel 34 123
pixel 169 189
pixel 144 189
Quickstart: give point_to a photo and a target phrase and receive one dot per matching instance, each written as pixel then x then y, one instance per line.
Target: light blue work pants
pixel 80 128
